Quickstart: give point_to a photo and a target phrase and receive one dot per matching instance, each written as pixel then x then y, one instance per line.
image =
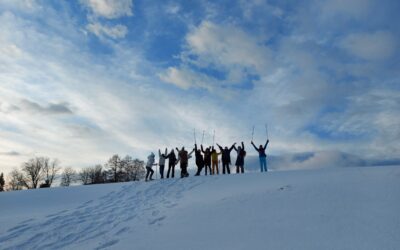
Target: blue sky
pixel 82 80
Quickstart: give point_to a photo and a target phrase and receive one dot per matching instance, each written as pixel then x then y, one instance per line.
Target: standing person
pixel 150 163
pixel 171 163
pixel 262 156
pixel 207 159
pixel 199 160
pixel 183 157
pixel 226 158
pixel 214 160
pixel 161 161
pixel 241 153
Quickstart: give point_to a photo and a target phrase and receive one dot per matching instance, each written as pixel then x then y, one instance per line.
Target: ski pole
pixel 194 133
pixel 202 138
pixel 213 137
pixel 252 134
pixel 266 130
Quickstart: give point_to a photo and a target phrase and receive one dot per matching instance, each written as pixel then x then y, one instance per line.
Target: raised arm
pixel 202 150
pixel 233 146
pixel 242 145
pixel 220 148
pixel 265 146
pixel 195 146
pixel 177 150
pixel 252 143
pixel 159 153
pixel 190 154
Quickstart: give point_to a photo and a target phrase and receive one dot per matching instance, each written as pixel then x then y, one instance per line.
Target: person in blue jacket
pixel 262 156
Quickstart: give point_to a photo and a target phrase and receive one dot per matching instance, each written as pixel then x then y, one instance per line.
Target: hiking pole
pixel 266 130
pixel 202 138
pixel 213 137
pixel 252 134
pixel 194 133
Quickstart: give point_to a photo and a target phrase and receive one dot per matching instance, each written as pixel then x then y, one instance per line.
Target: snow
pixel 342 208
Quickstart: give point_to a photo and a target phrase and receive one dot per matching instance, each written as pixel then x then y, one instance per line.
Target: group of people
pixel 207 158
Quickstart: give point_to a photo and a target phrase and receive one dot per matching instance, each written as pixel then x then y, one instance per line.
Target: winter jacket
pixel 261 152
pixel 162 157
pixel 150 160
pixel 199 157
pixel 207 156
pixel 214 156
pixel 172 158
pixel 226 154
pixel 240 156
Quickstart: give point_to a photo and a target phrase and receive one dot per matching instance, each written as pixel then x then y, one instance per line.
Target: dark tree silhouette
pixel 68 176
pixel 2 182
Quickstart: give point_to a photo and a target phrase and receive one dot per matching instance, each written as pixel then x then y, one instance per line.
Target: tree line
pixel 41 172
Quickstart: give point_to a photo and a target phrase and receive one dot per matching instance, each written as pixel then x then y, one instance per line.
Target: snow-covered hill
pixel 346 208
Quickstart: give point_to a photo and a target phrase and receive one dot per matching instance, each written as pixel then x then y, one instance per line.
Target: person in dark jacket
pixel 226 158
pixel 199 160
pixel 241 153
pixel 262 156
pixel 183 157
pixel 171 163
pixel 207 159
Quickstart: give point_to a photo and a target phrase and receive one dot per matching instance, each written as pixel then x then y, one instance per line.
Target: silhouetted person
pixel 241 153
pixel 183 157
pixel 262 156
pixel 199 160
pixel 207 159
pixel 149 165
pixel 226 158
pixel 161 162
pixel 171 163
pixel 214 160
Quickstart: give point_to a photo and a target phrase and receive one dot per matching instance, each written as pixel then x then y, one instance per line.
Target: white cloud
pixel 223 47
pixel 226 46
pixel 379 45
pixel 115 32
pixel 109 8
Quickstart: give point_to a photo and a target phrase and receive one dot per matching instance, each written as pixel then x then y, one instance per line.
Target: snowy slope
pixel 346 208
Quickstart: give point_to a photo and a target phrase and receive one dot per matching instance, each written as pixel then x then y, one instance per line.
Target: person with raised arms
pixel 199 160
pixel 172 161
pixel 207 159
pixel 241 153
pixel 261 155
pixel 161 161
pixel 226 158
pixel 214 160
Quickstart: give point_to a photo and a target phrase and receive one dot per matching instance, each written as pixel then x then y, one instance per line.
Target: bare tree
pixel 115 167
pixel 33 171
pixel 16 180
pixel 50 169
pixel 68 176
pixel 138 170
pixel 84 176
pixel 97 175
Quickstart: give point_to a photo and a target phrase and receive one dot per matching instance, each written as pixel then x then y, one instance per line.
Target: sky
pixel 83 80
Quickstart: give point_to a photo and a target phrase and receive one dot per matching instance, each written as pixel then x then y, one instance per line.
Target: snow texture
pixel 345 208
